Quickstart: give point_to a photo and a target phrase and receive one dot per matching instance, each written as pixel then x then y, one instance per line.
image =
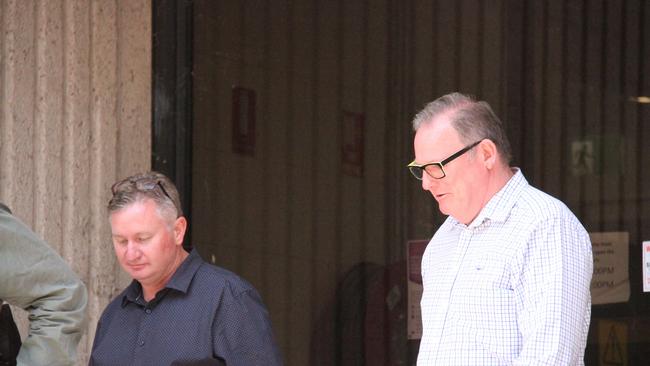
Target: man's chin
pixel 443 209
pixel 138 274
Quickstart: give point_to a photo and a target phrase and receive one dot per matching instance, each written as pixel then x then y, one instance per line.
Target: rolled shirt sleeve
pixel 35 278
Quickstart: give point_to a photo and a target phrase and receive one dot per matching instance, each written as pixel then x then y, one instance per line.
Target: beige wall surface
pixel 75 115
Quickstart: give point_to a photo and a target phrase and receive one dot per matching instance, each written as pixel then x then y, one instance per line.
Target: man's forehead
pixel 438 125
pixel 141 204
pixel 435 140
pixel 133 212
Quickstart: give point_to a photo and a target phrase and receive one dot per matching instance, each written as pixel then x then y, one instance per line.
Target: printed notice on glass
pixel 645 257
pixel 414 252
pixel 610 282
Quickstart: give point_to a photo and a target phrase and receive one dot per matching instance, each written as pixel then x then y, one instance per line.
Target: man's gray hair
pixel 473 120
pixel 151 185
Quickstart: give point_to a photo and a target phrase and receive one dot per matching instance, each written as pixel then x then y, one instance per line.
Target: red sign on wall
pixel 352 143
pixel 243 121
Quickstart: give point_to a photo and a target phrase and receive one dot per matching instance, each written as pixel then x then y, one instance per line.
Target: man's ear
pixel 488 153
pixel 180 225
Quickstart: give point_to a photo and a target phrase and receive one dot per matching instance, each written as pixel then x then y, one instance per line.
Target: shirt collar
pixel 499 206
pixel 180 280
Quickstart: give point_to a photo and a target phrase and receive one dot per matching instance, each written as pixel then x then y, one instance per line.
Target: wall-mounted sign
pixel 414 252
pixel 612 342
pixel 352 144
pixel 243 121
pixel 645 257
pixel 610 282
pixel 598 154
pixel 582 157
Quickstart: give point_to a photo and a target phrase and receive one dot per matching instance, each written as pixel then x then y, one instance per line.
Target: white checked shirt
pixel 511 288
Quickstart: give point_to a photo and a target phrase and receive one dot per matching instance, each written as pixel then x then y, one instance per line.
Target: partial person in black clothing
pixel 178 310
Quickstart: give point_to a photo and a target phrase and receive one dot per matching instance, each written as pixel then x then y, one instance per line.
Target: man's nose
pixel 132 251
pixel 427 181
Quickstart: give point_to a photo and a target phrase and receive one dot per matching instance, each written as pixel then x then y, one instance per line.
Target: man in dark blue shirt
pixel 179 310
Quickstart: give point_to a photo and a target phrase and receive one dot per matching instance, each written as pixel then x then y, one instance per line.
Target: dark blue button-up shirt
pixel 205 315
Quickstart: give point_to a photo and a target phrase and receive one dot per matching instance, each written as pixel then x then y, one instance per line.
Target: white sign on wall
pixel 610 282
pixel 582 157
pixel 645 257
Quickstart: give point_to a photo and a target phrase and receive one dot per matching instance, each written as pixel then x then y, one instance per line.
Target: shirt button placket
pixel 140 352
pixel 141 341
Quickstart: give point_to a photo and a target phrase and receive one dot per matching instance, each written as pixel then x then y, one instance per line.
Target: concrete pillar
pixel 75 115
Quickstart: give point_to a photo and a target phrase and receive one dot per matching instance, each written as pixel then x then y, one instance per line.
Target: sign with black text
pixel 610 282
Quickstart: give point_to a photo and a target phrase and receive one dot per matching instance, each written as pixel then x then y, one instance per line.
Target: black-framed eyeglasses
pixel 435 169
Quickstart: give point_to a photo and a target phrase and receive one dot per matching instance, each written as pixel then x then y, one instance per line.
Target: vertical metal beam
pixel 172 95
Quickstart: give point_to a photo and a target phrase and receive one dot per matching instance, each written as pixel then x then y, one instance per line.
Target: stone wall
pixel 75 115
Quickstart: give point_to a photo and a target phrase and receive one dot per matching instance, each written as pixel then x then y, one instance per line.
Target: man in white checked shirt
pixel 506 277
